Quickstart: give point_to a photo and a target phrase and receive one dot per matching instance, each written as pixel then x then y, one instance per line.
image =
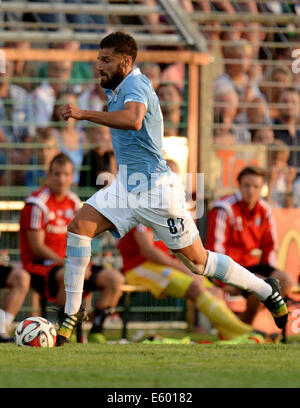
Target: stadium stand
pixel 229 62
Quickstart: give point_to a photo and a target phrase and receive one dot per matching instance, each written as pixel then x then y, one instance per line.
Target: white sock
pixel 2 322
pixel 77 259
pixel 9 318
pixel 222 267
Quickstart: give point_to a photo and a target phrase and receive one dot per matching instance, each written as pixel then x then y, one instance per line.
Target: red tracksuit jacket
pixel 242 234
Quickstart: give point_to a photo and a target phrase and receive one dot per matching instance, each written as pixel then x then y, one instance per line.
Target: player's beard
pixel 114 80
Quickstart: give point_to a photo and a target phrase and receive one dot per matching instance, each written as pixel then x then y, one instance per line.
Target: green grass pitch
pixel 147 366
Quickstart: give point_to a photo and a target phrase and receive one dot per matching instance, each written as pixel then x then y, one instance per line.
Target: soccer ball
pixel 35 332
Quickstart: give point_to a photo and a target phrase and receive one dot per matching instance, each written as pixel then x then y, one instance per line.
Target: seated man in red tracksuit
pixel 43 242
pixel 241 226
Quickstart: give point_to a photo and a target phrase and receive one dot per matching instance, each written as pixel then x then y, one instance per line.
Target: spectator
pixel 45 95
pixel 149 264
pixel 152 72
pixel 95 21
pixel 15 108
pixel 16 124
pixel 23 69
pixel 236 68
pixel 241 226
pixel 257 113
pixel 275 79
pixel 264 135
pixel 170 99
pixel 57 19
pixel 234 33
pixel 281 175
pixel 43 227
pixel 100 159
pixel 70 139
pixel 225 111
pixel 289 99
pixel 48 18
pixel 16 281
pixel 253 33
pixel 81 71
pixel 2 158
pixel 174 73
pixel 42 156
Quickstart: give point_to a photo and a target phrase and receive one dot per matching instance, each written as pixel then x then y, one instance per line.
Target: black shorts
pixel 47 285
pixel 90 284
pixel 4 272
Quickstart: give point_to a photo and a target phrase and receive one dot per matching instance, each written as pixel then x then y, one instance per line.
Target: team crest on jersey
pixel 257 221
pixel 116 93
pixel 69 213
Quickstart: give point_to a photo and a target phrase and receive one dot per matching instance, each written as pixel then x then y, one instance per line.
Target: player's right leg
pixel 86 224
pixel 105 210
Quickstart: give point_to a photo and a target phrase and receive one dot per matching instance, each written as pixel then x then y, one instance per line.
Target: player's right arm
pixel 129 118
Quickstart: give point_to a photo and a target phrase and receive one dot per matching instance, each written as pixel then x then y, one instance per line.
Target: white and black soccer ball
pixel 35 332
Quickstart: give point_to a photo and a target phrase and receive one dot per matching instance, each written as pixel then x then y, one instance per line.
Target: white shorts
pixel 162 209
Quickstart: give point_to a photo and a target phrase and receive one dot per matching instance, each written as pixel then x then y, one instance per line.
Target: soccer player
pixel 16 281
pixel 148 263
pixel 241 226
pixel 145 190
pixel 43 227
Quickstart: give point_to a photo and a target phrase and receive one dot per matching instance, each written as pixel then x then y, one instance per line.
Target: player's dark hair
pixel 252 171
pixel 122 44
pixel 61 159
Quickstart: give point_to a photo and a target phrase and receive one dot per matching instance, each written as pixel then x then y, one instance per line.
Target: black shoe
pixel 276 305
pixel 6 339
pixel 68 323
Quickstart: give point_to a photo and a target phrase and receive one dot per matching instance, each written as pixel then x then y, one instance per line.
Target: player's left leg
pixel 222 267
pixel 109 282
pixel 174 225
pixel 17 283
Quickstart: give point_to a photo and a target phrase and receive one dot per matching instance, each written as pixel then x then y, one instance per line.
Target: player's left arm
pixel 129 118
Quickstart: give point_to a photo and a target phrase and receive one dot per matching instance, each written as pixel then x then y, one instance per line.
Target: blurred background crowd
pixel 254 90
pixel 246 111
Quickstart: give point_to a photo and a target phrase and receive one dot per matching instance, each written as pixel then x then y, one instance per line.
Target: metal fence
pixel 250 55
